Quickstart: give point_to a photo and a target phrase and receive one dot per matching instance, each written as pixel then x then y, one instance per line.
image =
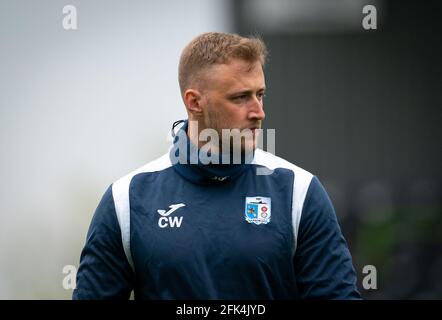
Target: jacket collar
pixel 188 164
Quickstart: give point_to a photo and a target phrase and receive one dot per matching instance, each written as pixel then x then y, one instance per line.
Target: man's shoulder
pixel 159 164
pixel 273 162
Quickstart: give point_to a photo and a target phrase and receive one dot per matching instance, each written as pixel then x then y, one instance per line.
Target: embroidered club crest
pixel 258 210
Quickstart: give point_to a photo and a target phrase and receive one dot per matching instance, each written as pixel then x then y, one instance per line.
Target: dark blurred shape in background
pixel 362 110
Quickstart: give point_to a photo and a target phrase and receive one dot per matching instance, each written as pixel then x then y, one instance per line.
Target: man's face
pixel 232 97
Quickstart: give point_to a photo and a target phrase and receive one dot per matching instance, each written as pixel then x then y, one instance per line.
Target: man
pixel 196 230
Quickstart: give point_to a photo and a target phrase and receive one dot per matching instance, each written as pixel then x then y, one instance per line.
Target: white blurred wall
pixel 78 110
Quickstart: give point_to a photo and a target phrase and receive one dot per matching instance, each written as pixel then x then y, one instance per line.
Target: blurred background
pixel 359 108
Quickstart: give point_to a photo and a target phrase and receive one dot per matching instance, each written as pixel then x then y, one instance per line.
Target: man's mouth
pixel 253 129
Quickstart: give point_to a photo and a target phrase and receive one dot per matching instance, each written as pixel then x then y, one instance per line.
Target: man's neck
pixel 193 133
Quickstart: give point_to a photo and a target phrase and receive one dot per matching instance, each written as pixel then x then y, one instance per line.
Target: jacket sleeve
pixel 322 261
pixel 104 271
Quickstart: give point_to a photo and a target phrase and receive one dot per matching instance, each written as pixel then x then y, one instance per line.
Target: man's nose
pixel 257 109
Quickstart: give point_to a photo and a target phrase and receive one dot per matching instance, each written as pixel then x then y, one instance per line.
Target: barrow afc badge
pixel 258 210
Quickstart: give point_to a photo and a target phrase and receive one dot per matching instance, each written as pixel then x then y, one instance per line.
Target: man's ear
pixel 192 100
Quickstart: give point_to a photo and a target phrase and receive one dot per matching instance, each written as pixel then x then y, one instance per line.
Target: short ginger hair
pixel 212 48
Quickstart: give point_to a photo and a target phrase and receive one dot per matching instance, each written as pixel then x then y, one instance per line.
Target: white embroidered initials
pixel 165 220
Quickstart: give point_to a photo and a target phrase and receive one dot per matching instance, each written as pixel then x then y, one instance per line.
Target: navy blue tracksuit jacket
pixel 193 231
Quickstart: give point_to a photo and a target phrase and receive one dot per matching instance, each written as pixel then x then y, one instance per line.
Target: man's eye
pixel 261 95
pixel 240 98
